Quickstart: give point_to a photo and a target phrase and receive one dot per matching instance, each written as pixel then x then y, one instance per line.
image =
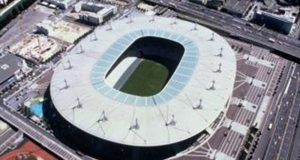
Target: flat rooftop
pixel 9 64
pixel 238 6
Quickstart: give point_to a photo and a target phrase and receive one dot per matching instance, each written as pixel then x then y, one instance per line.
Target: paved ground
pixel 284 122
pixel 5 139
pixel 25 24
pixel 247 98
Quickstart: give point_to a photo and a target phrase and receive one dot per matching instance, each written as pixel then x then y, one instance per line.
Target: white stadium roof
pixel 81 95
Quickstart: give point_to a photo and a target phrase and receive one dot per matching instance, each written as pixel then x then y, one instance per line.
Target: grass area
pixel 148 79
pixel 31 158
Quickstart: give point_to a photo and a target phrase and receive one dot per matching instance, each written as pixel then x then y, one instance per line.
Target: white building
pixel 62 4
pixel 95 13
pixel 282 21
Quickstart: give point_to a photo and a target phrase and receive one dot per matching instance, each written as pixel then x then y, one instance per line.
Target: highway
pixel 38 134
pixel 275 142
pixel 255 95
pixel 284 122
pixel 234 26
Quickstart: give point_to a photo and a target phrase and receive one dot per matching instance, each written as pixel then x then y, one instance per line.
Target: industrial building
pixel 95 13
pixel 12 69
pixel 87 111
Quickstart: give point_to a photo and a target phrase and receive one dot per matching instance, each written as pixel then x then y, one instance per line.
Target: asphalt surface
pixel 11 142
pixel 23 24
pixel 276 142
pixel 38 134
pixel 235 26
pixel 282 134
pixel 295 150
pixel 226 140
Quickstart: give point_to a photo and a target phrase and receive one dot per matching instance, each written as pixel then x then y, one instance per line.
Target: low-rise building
pixel 12 69
pixel 62 4
pixel 238 8
pixel 281 20
pixel 63 30
pixel 199 1
pixel 95 13
pixel 215 4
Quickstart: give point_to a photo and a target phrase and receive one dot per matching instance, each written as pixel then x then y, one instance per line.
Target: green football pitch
pixel 148 79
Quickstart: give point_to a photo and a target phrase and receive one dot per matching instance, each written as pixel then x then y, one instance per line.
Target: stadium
pixel 142 88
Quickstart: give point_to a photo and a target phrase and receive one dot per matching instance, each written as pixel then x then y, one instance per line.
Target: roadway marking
pixel 52 145
pixel 13 139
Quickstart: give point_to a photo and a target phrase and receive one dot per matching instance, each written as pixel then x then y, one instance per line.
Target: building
pixel 87 110
pixel 238 8
pixel 145 7
pixel 63 30
pixel 215 4
pixel 12 69
pixel 199 1
pixel 62 4
pixel 281 21
pixel 95 13
pixel 3 127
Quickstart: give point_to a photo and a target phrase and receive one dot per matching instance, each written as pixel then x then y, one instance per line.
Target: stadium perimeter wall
pixel 100 148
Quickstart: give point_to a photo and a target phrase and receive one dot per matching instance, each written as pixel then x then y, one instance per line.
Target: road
pixel 38 134
pixel 255 95
pixel 275 143
pixel 23 24
pixel 6 139
pixel 283 131
pixel 235 26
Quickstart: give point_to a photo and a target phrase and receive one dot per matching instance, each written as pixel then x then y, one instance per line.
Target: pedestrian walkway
pixel 259 61
pixel 256 82
pixel 239 128
pixel 245 104
pixel 222 156
pixel 262 111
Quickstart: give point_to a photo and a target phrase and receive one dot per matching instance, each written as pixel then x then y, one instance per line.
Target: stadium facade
pixel 87 109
